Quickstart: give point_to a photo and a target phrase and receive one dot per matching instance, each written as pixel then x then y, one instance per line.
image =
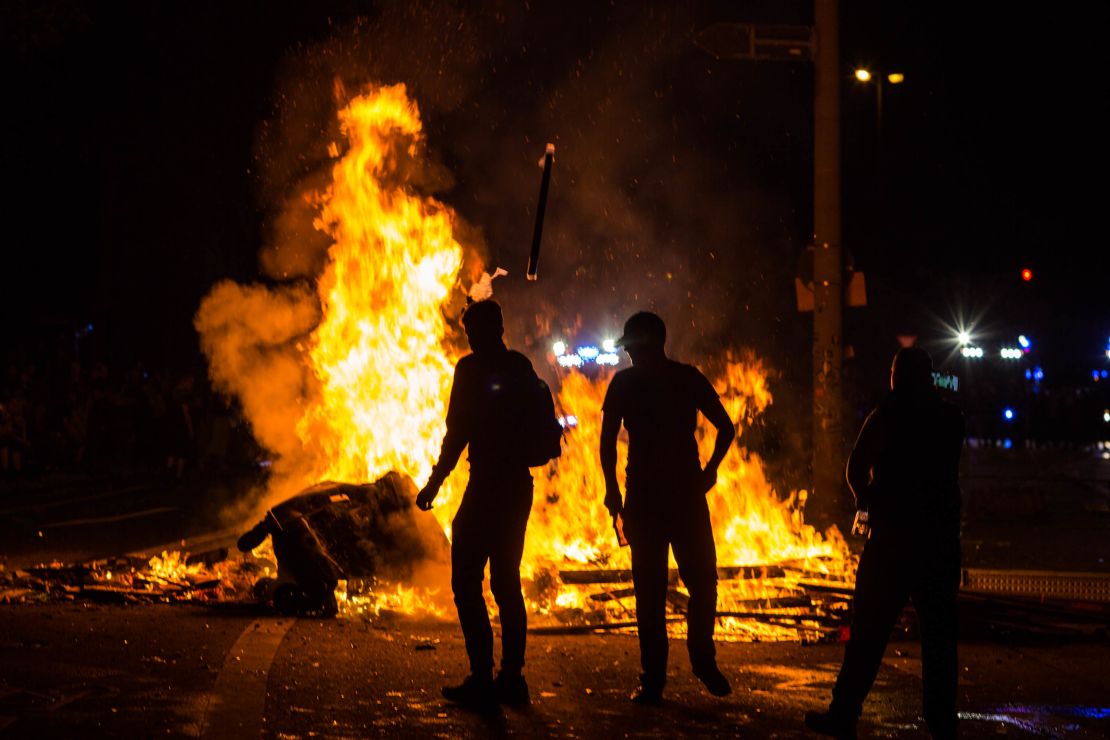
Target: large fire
pixel 378 368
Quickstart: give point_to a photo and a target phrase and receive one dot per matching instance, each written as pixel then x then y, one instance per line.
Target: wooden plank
pixel 724 573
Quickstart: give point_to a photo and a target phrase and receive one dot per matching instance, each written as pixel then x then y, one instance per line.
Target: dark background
pixel 152 149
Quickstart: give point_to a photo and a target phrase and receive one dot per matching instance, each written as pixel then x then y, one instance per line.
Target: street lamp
pixel 865 75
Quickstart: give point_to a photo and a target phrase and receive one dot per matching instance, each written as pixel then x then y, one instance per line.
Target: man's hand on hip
pixel 707 480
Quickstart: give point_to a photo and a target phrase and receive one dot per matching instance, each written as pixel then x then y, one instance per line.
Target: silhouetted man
pixel 487 394
pixel 904 472
pixel 658 401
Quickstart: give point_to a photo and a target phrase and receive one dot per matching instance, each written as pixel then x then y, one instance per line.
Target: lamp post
pixel 820 45
pixel 865 76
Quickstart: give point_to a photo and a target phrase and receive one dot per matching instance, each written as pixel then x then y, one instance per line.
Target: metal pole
pixel 879 116
pixel 534 256
pixel 828 504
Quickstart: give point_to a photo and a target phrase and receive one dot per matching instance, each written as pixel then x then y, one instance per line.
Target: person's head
pixel 644 336
pixel 484 325
pixel 911 371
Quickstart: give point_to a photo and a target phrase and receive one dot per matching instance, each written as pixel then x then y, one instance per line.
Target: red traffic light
pixel 1027 274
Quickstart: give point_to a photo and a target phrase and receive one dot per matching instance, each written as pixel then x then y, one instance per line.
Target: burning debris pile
pixel 780 602
pixel 171 577
pixel 360 534
pixel 364 538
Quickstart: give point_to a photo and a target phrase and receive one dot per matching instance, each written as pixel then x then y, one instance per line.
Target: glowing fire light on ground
pixel 379 372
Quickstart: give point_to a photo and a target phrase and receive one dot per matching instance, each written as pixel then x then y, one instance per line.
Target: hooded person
pixel 904 471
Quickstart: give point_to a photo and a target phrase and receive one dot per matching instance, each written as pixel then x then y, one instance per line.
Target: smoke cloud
pixel 670 189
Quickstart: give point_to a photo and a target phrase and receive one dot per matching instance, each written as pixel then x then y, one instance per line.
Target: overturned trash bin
pixel 335 531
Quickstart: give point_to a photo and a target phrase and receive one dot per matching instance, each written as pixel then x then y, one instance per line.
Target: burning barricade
pixel 362 534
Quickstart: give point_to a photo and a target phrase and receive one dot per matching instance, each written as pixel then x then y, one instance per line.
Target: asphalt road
pixel 73 670
pixel 79 670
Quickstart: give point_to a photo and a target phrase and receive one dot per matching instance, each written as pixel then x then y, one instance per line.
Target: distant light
pixel 609 345
pixel 559 348
pixel 1094 375
pixel 588 352
pixel 1103 374
pixel 1108 354
pixel 1028 374
pixel 1024 341
pixel 568 421
pixel 608 358
pixel 964 337
pixel 569 361
pixel 89 327
pixel 972 352
pixel 1038 374
pixel 1106 416
pixel 863 75
pixel 1007 443
pixel 896 78
pixel 1008 414
pixel 1011 353
pixel 1027 275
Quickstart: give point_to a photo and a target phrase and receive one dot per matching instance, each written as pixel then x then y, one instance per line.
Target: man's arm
pixel 864 455
pixel 454 441
pixel 714 411
pixel 610 429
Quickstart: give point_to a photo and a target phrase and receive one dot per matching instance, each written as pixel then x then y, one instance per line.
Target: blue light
pixel 1007 443
pixel 1094 375
pixel 1104 374
pixel 1028 374
pixel 1008 414
pixel 89 327
pixel 1038 374
pixel 589 352
pixel 1024 342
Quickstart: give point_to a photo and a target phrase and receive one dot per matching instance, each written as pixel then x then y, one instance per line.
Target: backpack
pixel 541 433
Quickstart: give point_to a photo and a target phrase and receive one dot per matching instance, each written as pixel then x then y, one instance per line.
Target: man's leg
pixel 692 540
pixel 880 594
pixel 649 549
pixel 935 599
pixel 506 549
pixel 468 562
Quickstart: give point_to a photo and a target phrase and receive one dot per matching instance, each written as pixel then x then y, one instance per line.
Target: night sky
pixel 152 149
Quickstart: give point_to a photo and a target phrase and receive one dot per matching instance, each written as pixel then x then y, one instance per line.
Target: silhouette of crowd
pixel 63 413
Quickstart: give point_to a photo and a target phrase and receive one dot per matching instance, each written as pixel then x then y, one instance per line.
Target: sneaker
pixel 647 695
pixel 511 689
pixel 472 692
pixel 715 681
pixel 830 724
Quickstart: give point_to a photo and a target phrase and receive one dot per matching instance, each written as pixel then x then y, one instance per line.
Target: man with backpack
pixel 502 410
pixel 658 400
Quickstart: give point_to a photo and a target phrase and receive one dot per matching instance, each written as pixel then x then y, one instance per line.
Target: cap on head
pixel 643 329
pixel 912 369
pixel 483 317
